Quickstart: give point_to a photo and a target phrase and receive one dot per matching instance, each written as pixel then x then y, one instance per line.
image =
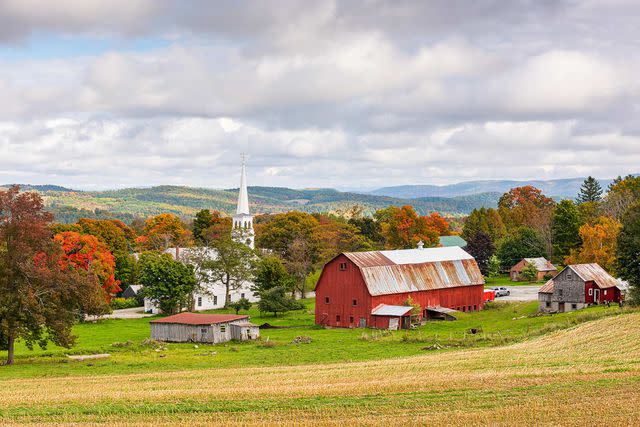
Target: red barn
pixel 359 289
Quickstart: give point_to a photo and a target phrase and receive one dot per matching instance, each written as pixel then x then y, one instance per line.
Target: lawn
pixel 505 280
pixel 586 375
pixel 498 324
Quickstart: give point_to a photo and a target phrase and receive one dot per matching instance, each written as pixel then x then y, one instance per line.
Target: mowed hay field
pixel 585 375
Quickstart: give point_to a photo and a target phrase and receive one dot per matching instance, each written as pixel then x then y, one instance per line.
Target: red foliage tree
pixel 88 253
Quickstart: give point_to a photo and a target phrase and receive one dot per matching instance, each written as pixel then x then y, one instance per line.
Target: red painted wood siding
pixel 611 295
pixel 343 287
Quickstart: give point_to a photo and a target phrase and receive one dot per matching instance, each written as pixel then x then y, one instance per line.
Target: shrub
pixel 120 303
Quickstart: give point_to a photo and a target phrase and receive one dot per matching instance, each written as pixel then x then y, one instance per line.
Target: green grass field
pixel 498 324
pixel 492 282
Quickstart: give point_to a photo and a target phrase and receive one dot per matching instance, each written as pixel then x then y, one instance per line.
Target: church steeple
pixel 243 220
pixel 243 195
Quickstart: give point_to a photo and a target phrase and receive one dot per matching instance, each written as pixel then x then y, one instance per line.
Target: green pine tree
pixel 591 191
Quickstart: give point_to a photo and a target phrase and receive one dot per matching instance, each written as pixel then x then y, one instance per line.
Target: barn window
pixel 343 266
pixel 568 275
pixel 223 328
pixel 548 304
pixel 337 318
pixel 326 300
pixel 350 319
pixel 574 306
pixel 590 291
pixel 355 302
pixel 475 308
pixel 605 291
pixel 241 295
pixel 560 293
pixel 215 300
pixel 199 301
pixel 203 330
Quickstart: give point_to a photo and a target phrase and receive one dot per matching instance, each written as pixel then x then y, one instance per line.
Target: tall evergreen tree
pixel 591 191
pixel 565 229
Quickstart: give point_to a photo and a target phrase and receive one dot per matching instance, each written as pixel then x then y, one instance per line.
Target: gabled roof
pixel 542 264
pixel 593 272
pixel 547 288
pixel 447 241
pixel 200 319
pixel 391 310
pixel 412 270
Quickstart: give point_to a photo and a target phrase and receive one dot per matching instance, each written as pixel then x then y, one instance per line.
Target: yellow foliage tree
pixel 598 244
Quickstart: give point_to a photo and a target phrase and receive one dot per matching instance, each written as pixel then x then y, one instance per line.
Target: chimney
pixel 420 244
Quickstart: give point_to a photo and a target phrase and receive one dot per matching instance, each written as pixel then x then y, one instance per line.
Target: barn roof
pixel 391 310
pixel 547 288
pixel 200 319
pixel 542 264
pixel 596 273
pixel 411 270
pixel 447 241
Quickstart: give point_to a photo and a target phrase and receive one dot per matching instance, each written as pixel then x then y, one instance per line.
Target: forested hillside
pixel 125 204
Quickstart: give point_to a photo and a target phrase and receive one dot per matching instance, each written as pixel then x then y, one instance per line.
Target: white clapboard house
pixel 214 294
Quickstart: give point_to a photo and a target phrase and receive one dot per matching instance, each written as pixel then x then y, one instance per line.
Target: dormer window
pixel 343 266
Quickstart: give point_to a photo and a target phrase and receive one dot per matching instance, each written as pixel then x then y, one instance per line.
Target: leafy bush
pixel 120 303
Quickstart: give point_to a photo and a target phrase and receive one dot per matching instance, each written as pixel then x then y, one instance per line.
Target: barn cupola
pixel 420 244
pixel 243 220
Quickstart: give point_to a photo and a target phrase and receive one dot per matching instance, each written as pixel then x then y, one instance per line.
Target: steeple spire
pixel 243 195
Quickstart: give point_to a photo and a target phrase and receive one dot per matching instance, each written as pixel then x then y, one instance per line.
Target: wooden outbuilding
pixel 204 328
pixel 355 286
pixel 579 286
pixel 544 267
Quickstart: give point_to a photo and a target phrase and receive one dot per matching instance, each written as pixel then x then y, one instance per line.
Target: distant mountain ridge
pixel 557 188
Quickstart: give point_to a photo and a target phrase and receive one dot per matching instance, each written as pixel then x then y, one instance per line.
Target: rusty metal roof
pixel 542 264
pixel 412 270
pixel 547 288
pixel 200 319
pixel 596 273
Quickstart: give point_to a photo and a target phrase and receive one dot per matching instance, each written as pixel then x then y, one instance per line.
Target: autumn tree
pixel 622 194
pixel 481 247
pixel 164 231
pixel 40 299
pixel 402 228
pixel 369 228
pixel 209 225
pixel 528 207
pixel 628 250
pixel 565 229
pixel 523 242
pixel 167 282
pixel 599 242
pixel 437 223
pixel 590 191
pixel 485 220
pixel 225 261
pixel 86 252
pixel 334 236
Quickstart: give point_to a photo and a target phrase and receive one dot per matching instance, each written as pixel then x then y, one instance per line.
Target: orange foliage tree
pixel 164 231
pixel 86 252
pixel 599 242
pixel 403 228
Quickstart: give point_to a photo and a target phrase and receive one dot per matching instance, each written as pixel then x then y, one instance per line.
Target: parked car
pixel 501 292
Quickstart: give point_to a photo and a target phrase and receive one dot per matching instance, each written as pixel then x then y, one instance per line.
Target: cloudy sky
pixel 367 93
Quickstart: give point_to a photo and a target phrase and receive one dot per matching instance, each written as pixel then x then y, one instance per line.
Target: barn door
pixel 596 295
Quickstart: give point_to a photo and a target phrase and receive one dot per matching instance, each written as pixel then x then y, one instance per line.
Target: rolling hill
pixel 126 204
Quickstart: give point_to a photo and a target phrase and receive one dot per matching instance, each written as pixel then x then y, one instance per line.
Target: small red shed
pixel 354 285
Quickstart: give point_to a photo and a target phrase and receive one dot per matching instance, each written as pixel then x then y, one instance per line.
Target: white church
pixel 214 294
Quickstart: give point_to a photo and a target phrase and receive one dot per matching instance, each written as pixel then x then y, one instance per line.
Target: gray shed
pixel 204 328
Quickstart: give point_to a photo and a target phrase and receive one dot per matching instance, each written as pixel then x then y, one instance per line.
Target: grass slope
pixel 588 374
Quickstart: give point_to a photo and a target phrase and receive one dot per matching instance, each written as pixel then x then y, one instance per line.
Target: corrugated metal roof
pixel 411 270
pixel 200 319
pixel 547 288
pixel 542 264
pixel 391 310
pixel 596 273
pixel 439 309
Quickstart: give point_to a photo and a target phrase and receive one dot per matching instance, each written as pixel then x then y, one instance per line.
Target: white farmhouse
pixel 214 292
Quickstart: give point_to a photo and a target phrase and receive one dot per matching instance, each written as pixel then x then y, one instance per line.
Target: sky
pixel 343 94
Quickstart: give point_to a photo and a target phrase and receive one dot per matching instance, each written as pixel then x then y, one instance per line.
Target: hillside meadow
pixel 584 375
